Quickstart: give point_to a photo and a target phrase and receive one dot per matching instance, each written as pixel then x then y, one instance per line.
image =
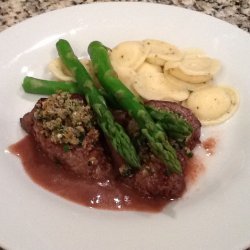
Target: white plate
pixel 214 213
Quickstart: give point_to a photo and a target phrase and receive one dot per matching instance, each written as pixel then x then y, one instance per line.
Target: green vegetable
pixel 175 126
pixel 48 87
pixel 112 130
pixel 153 131
pixel 45 87
pixel 66 148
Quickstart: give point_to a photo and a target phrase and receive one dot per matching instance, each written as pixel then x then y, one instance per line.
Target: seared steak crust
pixel 88 160
pixel 151 180
pixel 186 114
pixel 92 162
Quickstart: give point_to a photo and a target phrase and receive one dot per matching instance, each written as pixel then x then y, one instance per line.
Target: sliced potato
pixel 154 59
pixel 89 67
pixel 160 52
pixel 153 86
pixel 213 105
pixel 175 93
pixel 186 85
pixel 129 54
pixel 59 71
pixel 157 70
pixel 150 86
pixel 199 65
pixel 149 68
pixel 127 76
pixel 193 68
pixel 195 79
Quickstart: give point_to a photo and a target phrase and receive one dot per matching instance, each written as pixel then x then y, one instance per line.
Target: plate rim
pixel 107 3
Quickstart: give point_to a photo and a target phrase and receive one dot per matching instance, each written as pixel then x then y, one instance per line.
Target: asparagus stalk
pixel 38 86
pixel 175 127
pixel 153 131
pixel 112 130
pixel 46 87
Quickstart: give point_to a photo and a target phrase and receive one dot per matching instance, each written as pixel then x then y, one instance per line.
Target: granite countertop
pixel 236 12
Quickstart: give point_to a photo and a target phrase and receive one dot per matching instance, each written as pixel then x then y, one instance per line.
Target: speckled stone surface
pixel 236 12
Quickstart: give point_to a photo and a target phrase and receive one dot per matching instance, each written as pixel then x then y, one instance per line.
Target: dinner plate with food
pixel 127 132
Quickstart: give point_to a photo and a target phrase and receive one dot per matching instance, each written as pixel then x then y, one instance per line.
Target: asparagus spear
pixel 46 87
pixel 112 130
pixel 153 131
pixel 175 127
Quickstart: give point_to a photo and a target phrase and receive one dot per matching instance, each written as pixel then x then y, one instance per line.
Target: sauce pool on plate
pixel 102 195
